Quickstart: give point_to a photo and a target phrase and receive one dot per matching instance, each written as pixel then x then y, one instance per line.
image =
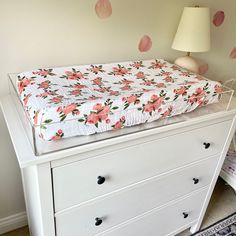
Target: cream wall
pixel 37 33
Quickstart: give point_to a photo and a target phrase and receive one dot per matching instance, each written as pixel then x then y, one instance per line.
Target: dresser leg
pixel 194 228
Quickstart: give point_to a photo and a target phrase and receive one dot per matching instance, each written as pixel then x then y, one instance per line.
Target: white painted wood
pixel 77 182
pixel 39 201
pixel 158 151
pixel 13 222
pixel 229 179
pixel 136 200
pixel 26 156
pixel 134 142
pixel 197 226
pixel 162 221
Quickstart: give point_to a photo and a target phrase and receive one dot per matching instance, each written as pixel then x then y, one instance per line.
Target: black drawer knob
pixel 98 221
pixel 207 145
pixel 185 215
pixel 195 180
pixel 101 180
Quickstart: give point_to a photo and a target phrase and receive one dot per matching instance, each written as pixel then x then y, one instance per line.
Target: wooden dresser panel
pixel 78 182
pixel 125 204
pixel 156 222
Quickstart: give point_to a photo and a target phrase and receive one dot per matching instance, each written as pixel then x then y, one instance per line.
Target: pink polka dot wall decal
pixel 203 69
pixel 145 44
pixel 233 54
pixel 103 9
pixel 218 18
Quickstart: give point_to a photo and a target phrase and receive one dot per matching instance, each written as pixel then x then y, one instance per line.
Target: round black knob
pixel 185 215
pixel 207 145
pixel 195 180
pixel 98 221
pixel 101 180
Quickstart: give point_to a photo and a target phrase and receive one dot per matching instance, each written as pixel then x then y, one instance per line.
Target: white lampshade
pixel 193 34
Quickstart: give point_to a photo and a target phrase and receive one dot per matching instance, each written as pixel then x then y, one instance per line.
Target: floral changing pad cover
pixel 82 100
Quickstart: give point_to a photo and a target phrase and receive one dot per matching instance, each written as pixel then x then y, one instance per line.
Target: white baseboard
pixel 13 222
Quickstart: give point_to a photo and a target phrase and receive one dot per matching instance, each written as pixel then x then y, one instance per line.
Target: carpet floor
pixel 225 227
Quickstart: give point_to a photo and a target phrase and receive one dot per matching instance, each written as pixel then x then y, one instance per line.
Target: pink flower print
pixel 26 99
pixel 56 99
pixel 126 87
pixel 160 85
pixel 157 103
pixel 23 84
pixel 132 99
pixel 126 82
pixel 181 91
pixel 148 82
pixel 145 44
pixel 148 107
pixel 154 97
pixel 120 70
pixel 92 118
pixel 219 88
pixel 44 72
pixel 197 96
pixel 103 89
pixel 103 9
pixel 92 98
pixel 96 69
pixel 64 111
pixel 79 86
pixel 169 79
pixel 36 117
pixel 114 93
pixel 45 84
pixel 69 109
pixel 137 64
pixel 58 136
pixel 98 81
pixel 157 65
pixel 60 132
pixel 140 75
pixel 59 109
pixel 103 114
pixel 108 121
pixel 119 124
pixel 98 107
pixel 168 112
pixel 190 82
pixel 185 73
pixel 165 73
pixel 75 92
pixel 74 75
pixel 200 92
pixel 175 68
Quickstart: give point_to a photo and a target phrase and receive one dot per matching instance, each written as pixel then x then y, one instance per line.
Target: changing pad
pixel 82 100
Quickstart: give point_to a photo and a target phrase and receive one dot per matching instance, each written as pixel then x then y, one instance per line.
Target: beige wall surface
pixel 47 33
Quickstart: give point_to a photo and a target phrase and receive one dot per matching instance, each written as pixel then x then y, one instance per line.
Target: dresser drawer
pixel 124 205
pixel 165 221
pixel 78 182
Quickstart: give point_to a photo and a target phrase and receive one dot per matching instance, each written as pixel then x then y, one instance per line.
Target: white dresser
pixel 155 182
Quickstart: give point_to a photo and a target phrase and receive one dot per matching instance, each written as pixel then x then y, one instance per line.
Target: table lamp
pixel 193 35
